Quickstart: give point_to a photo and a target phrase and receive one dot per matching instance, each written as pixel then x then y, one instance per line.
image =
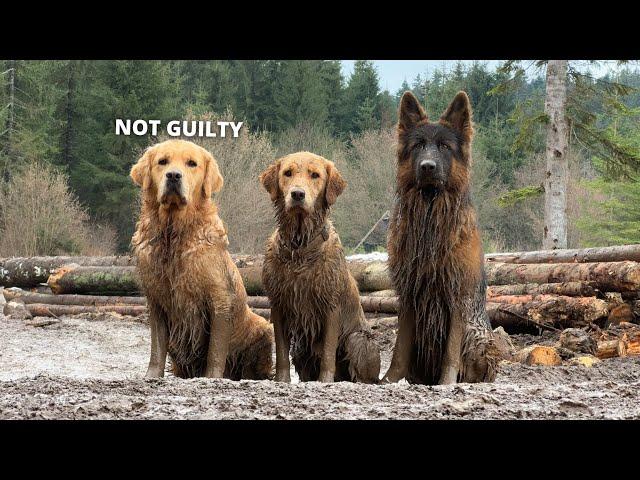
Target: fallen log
pixel 538 355
pixel 31 271
pixel 32 297
pixel 369 304
pixel 47 310
pixel 581 255
pixel 569 289
pixel 371 276
pixel 112 280
pixel 93 280
pixel 579 341
pixel 611 348
pixel 546 311
pixel 606 277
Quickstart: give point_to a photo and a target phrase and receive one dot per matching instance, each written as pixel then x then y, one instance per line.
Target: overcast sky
pixel 393 72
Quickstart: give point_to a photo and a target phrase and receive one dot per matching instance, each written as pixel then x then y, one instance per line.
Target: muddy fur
pixel 435 253
pixel 306 278
pixel 189 277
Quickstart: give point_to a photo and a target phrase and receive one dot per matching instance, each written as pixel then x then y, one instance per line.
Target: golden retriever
pixel 197 302
pixel 315 304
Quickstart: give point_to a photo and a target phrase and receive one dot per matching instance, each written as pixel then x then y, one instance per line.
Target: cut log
pixel 538 355
pixel 577 340
pixel 611 348
pixel 380 304
pixel 369 304
pixel 371 276
pixel 258 302
pixel 47 310
pixel 263 312
pixel 31 271
pixel 582 255
pixel 569 289
pixel 633 344
pixel 93 280
pixel 31 297
pixel 546 311
pixel 619 314
pixel 383 293
pixel 606 277
pixel 584 361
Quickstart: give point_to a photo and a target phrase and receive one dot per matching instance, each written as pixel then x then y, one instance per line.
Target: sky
pixel 393 72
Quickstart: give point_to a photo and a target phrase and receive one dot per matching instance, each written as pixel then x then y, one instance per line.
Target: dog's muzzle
pixel 173 188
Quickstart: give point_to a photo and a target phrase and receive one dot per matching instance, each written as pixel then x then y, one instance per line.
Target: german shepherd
pixel 435 253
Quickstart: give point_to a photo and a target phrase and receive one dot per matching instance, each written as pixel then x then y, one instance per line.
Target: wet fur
pixel 306 277
pixel 186 271
pixel 436 264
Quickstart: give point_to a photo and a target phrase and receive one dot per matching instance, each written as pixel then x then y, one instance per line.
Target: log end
pixel 57 274
pixel 539 355
pixel 584 361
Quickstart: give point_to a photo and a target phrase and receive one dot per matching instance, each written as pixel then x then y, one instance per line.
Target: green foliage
pixel 512 197
pixel 64 111
pixel 615 219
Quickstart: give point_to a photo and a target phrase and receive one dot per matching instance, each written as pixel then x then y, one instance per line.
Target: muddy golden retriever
pixel 197 302
pixel 315 304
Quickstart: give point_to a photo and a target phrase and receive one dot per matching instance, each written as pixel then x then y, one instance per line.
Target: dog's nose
pixel 427 166
pixel 297 194
pixel 174 176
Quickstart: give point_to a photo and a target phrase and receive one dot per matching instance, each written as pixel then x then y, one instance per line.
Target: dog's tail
pixel 363 356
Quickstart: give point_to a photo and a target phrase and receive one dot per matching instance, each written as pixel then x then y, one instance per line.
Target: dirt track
pixel 92 367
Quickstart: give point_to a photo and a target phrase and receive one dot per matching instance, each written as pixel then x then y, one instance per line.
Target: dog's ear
pixel 458 115
pixel 410 111
pixel 269 180
pixel 213 180
pixel 335 184
pixel 140 171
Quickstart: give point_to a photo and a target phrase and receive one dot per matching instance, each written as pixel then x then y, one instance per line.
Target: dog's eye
pixel 287 173
pixel 191 163
pixel 443 146
pixel 162 161
pixel 315 175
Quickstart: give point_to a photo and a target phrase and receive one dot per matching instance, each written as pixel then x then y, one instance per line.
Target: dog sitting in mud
pixel 435 253
pixel 315 303
pixel 197 302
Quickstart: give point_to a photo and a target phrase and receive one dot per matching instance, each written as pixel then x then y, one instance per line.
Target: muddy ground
pixel 92 366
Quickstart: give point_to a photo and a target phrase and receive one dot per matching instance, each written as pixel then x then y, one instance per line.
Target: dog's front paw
pixel 326 377
pixel 154 373
pixel 283 377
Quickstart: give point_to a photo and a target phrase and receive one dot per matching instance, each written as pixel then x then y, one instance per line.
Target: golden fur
pixel 315 304
pixel 197 302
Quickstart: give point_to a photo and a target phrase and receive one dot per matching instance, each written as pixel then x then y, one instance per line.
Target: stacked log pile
pixel 527 291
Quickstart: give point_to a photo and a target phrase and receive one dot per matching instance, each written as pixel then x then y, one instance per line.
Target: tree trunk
pixel 555 183
pixel 611 348
pixel 605 276
pixel 27 272
pixel 88 300
pixel 576 255
pixel 546 311
pixel 93 280
pixel 369 304
pixel 539 355
pixel 568 289
pixel 47 310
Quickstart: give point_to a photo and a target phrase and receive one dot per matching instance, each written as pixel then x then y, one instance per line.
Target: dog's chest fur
pixel 181 292
pixel 305 284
